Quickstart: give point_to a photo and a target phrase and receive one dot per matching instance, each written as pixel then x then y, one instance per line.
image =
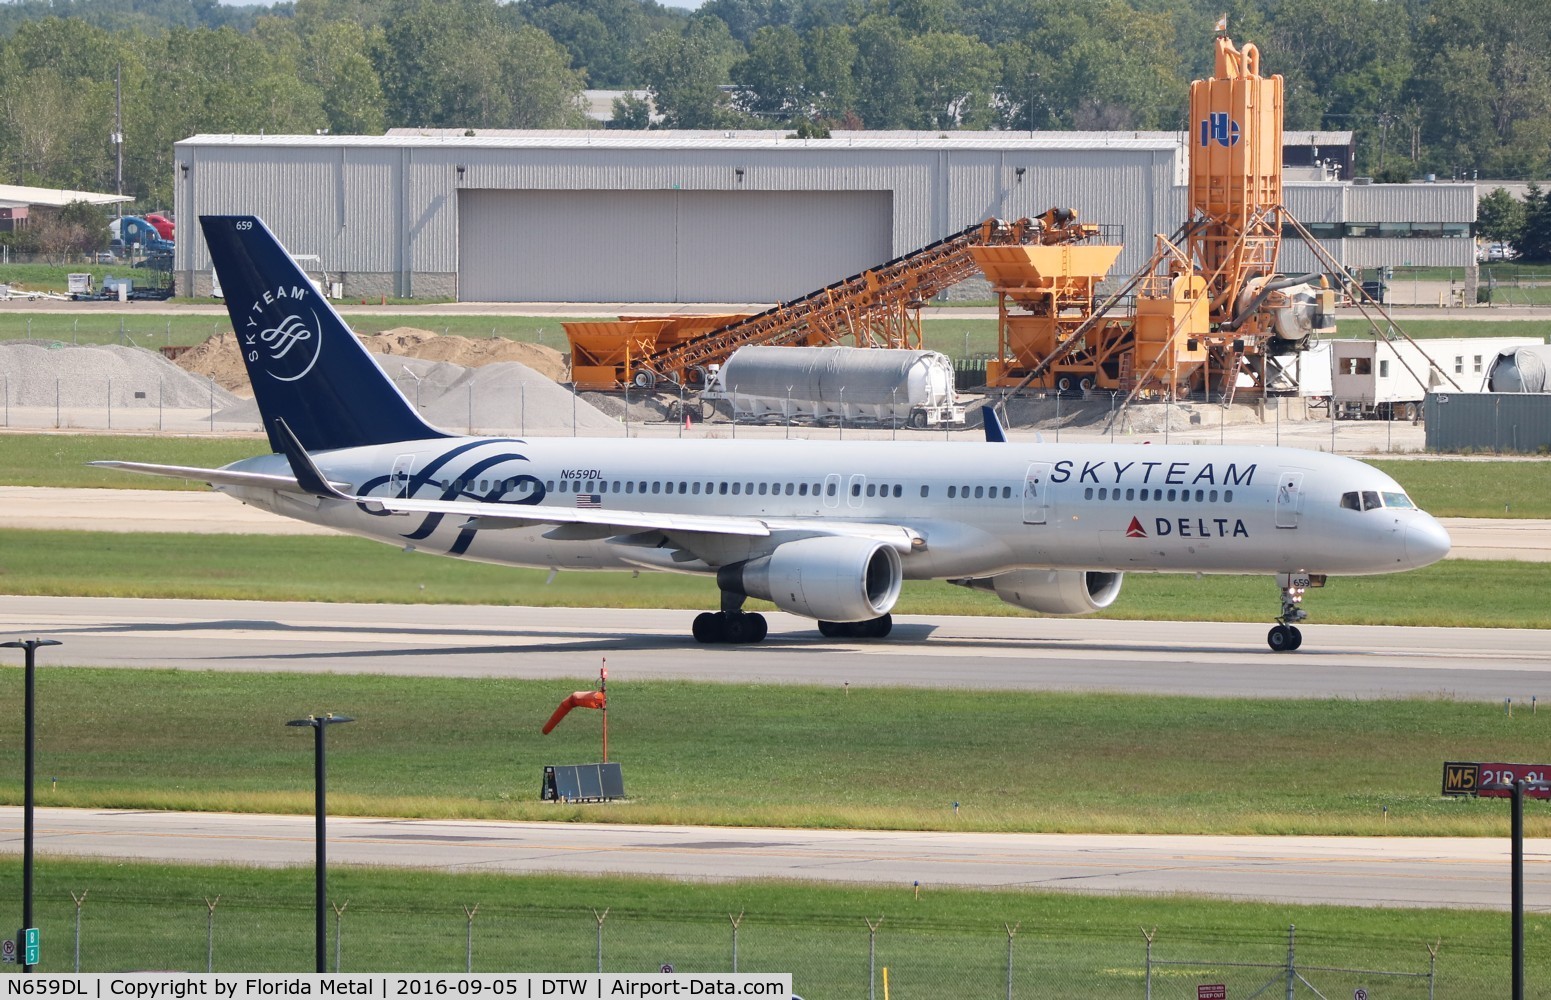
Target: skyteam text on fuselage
pixel 828 531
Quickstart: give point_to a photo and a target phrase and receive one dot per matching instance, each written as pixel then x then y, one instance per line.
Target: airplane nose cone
pixel 1426 542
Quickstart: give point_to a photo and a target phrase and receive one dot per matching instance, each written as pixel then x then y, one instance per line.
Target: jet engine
pixel 829 578
pixel 1052 591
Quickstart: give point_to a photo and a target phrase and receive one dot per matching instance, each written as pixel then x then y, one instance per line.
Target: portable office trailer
pixel 1391 378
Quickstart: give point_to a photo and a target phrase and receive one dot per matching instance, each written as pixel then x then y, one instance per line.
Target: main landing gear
pixel 734 627
pixel 731 625
pixel 1284 636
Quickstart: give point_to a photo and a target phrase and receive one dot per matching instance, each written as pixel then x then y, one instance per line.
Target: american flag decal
pixel 589 500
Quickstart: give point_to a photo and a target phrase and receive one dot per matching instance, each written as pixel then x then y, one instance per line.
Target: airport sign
pixel 1493 780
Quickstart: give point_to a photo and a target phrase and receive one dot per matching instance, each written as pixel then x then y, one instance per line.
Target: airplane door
pixel 399 483
pixel 1289 498
pixel 832 490
pixel 854 490
pixel 1036 493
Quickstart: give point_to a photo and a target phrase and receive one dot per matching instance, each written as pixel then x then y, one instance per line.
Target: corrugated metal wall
pixel 384 211
pixel 1488 421
pixel 665 246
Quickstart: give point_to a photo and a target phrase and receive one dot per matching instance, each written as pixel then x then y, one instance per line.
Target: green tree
pixel 772 79
pixel 93 223
pixel 885 73
pixel 604 37
pixel 1534 243
pixel 333 57
pixel 465 63
pixel 631 112
pixel 1500 217
pixel 685 72
pixel 829 58
pixel 955 80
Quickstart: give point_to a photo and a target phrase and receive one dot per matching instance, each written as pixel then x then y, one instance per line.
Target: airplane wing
pixel 604 523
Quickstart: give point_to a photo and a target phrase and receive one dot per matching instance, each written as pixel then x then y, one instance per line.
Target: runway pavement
pixel 1190 658
pixel 1353 871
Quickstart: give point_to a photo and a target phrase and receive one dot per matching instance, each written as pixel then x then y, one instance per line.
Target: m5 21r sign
pixel 1494 781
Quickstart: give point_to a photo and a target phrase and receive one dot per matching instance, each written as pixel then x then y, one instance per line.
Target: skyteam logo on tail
pixel 279 340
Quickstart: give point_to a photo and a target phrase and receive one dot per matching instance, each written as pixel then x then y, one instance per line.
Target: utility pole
pixel 118 134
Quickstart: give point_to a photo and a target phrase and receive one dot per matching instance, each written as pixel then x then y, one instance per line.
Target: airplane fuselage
pixel 977 508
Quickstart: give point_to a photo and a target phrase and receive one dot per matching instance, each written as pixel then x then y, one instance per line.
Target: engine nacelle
pixel 828 578
pixel 1052 591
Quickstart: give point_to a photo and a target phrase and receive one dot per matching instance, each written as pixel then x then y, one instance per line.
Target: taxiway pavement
pixel 1352 871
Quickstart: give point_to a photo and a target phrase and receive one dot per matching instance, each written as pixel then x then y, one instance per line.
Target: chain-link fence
pixel 845 956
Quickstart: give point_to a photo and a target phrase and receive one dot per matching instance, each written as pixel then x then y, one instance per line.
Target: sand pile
pixel 470 352
pixel 219 359
pixel 39 374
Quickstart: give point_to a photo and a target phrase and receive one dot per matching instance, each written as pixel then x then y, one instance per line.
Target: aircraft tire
pixel 759 627
pixel 1297 637
pixel 833 630
pixel 706 627
pixel 878 628
pixel 1280 639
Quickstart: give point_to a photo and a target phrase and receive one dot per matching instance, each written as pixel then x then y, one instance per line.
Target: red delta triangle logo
pixel 1135 530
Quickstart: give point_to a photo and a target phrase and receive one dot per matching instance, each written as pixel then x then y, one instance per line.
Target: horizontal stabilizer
pixel 215 477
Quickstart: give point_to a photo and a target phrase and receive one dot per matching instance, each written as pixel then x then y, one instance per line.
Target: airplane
pixel 827 531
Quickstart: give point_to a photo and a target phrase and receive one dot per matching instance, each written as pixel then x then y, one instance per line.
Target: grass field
pixel 946 942
pixel 1442 487
pixel 957 338
pixel 735 754
pixel 153 331
pixel 329 569
pixel 1428 329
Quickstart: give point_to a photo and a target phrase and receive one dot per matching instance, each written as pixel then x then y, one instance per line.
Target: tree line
pixel 1457 88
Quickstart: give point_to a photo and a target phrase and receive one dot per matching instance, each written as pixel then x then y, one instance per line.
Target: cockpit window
pixel 1373 500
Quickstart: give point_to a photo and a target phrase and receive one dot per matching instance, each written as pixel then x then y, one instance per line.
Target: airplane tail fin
pixel 307 368
pixel 995 432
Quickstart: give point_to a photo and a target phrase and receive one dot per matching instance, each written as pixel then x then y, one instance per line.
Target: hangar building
pixel 665 216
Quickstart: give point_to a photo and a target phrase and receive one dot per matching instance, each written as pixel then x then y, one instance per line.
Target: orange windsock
pixel 578 699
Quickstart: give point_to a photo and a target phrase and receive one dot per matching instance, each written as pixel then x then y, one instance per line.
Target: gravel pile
pixel 40 373
pixel 505 397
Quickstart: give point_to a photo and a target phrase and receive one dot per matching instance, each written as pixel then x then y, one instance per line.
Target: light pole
pixel 319 726
pixel 29 710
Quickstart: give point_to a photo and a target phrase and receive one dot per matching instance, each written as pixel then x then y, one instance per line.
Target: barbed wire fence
pixel 838 957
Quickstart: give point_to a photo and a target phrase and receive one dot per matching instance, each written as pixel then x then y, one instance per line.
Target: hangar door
pixel 666 246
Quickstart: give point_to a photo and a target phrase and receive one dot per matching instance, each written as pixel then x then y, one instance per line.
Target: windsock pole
pixel 603 685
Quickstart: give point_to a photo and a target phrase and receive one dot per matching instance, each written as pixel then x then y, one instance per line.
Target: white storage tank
pixel 854 384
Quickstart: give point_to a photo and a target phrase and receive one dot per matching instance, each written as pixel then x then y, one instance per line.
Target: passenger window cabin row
pixel 1145 494
pixel 876 490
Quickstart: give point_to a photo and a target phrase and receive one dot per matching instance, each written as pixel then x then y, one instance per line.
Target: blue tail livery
pixel 306 366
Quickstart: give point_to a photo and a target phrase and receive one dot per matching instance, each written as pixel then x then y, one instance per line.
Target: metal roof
pixel 16 194
pixel 700 139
